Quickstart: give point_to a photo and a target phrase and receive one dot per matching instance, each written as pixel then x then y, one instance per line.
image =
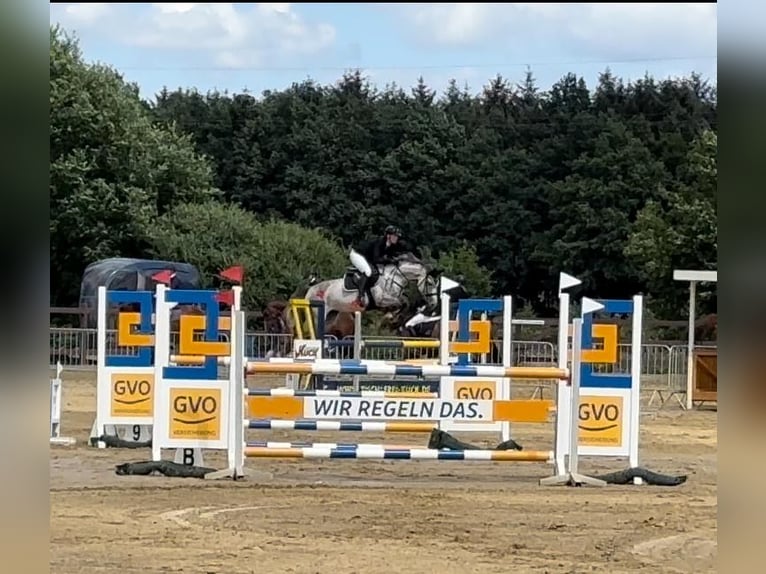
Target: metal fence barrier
pixel 663 367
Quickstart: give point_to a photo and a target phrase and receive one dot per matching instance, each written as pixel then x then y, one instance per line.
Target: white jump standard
pixel 55 411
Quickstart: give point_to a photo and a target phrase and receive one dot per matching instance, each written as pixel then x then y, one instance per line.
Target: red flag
pixel 234 274
pixel 226 297
pixel 164 276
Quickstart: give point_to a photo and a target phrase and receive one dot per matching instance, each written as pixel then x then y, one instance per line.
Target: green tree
pixel 277 256
pixel 535 181
pixel 463 262
pixel 679 230
pixel 112 172
pixel 593 207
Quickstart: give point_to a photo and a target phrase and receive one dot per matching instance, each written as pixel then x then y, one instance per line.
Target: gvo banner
pixel 601 420
pixel 195 413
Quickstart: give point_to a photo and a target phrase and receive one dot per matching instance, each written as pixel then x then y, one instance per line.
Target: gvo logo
pixel 132 391
pixel 194 410
pixel 196 413
pixel 598 416
pixel 475 393
pixel 132 395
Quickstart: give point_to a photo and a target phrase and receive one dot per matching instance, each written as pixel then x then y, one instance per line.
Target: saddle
pixel 352 276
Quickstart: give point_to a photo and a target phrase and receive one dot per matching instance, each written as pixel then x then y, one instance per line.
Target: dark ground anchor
pixel 164 467
pixel 113 441
pixel 649 477
pixel 441 440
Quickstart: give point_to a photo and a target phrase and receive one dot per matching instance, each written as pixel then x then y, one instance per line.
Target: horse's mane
pixel 409 257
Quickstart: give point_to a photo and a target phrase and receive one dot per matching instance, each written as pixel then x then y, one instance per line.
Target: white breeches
pixel 360 263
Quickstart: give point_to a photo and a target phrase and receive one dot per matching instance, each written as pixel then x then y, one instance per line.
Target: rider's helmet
pixel 393 230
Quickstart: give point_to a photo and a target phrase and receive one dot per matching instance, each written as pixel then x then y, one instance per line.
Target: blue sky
pixel 258 46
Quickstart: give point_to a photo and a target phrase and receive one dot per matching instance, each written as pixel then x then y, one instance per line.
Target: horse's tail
pixel 287 318
pixel 300 292
pixel 306 284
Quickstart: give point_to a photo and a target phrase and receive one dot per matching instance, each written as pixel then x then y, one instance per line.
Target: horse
pixel 278 320
pixel 340 325
pixel 275 317
pixel 706 328
pixel 387 287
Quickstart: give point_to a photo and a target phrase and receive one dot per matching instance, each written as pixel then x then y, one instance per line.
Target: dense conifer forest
pixel 615 182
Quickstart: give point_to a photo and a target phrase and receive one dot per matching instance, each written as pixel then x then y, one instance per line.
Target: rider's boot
pixel 362 289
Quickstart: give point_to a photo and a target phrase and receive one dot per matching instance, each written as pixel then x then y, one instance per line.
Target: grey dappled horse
pixel 388 289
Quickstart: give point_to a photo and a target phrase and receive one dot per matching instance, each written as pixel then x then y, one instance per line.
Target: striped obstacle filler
pixel 266 408
pixel 392 407
pixel 378 452
pixel 313 404
pixel 290 404
pixel 451 386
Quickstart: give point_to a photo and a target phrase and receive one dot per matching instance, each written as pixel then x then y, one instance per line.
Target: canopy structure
pixel 125 274
pixel 693 277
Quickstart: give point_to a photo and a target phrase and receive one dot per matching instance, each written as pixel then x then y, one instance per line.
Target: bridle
pixel 429 289
pixel 397 278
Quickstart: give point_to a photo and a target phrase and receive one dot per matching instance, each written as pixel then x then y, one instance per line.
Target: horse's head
pixel 275 318
pixel 425 276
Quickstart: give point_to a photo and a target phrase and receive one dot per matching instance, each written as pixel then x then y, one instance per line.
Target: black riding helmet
pixel 393 230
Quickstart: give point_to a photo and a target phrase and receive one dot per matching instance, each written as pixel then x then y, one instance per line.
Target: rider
pixel 374 251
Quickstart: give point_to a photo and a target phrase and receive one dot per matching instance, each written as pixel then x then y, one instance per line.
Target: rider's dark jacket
pixel 375 250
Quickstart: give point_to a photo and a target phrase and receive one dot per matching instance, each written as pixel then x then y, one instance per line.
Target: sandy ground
pixel 369 517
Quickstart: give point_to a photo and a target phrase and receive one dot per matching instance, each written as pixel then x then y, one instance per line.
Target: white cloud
pixel 86 13
pixel 174 7
pixel 653 29
pixel 280 7
pixel 453 24
pixel 226 35
pixel 603 30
